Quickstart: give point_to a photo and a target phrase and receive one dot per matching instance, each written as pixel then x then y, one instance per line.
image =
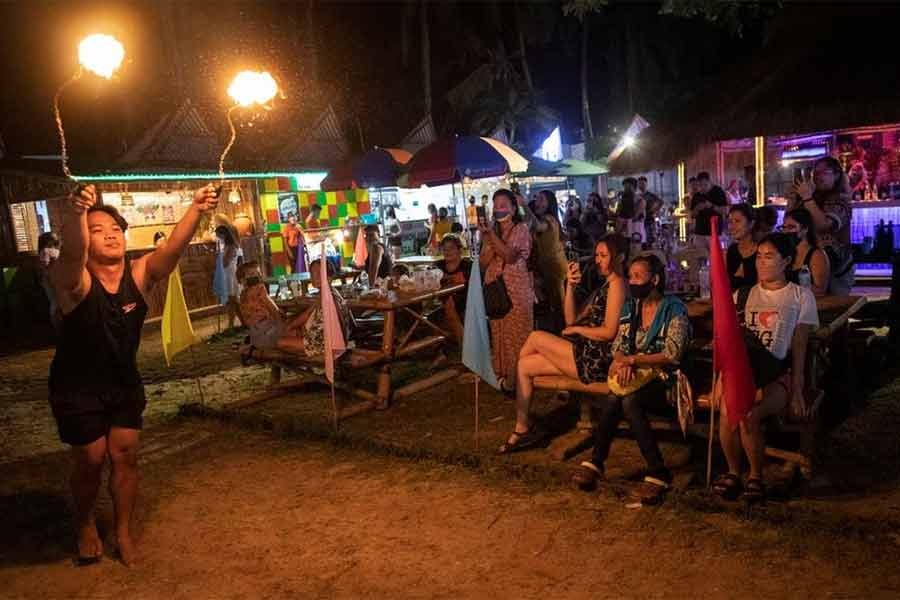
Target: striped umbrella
pixel 450 160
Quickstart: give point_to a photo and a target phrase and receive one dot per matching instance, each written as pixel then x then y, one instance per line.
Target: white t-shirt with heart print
pixel 773 315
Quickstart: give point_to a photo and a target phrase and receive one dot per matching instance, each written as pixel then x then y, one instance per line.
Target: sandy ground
pixel 229 514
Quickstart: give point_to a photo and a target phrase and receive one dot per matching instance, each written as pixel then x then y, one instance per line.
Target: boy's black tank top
pixel 99 341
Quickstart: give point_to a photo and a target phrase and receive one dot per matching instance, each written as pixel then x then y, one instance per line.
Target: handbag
pixel 497 303
pixel 642 376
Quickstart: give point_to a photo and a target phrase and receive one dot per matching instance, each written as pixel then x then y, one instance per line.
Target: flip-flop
pixel 86 561
pixel 245 358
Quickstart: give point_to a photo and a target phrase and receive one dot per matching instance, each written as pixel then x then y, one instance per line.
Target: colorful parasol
pixel 450 160
pixel 377 168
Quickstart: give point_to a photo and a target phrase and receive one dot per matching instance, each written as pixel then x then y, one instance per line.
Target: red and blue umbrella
pixel 451 160
pixel 377 168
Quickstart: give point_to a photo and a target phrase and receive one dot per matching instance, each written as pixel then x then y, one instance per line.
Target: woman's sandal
pixel 586 475
pixel 754 491
pixel 504 388
pixel 727 486
pixel 523 441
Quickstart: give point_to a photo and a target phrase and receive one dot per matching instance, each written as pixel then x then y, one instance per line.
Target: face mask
pixel 49 254
pixel 502 215
pixel 252 281
pixel 641 290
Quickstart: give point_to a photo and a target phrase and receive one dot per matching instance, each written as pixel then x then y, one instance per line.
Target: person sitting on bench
pixel 302 336
pixel 653 335
pixel 584 351
pixel 778 317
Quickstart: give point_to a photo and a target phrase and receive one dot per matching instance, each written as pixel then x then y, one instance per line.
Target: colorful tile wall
pixel 336 208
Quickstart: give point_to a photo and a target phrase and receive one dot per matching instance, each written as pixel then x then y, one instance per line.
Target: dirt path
pixel 229 514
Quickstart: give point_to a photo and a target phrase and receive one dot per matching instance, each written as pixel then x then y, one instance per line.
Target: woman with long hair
pixel 778 316
pixel 654 332
pixel 827 198
pixel 809 257
pixel 741 255
pixel 548 256
pixel 225 283
pixel 584 352
pixel 505 249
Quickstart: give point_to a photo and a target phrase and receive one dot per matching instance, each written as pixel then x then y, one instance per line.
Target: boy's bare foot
pixel 128 551
pixel 90 546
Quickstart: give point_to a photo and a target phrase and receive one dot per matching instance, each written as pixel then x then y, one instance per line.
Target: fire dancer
pixel 96 391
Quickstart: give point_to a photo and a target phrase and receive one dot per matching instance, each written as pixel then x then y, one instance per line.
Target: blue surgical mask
pixel 501 215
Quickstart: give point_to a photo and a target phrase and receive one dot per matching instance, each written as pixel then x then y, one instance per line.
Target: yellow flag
pixel 177 331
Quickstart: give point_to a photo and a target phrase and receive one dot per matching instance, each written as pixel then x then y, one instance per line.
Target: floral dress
pixel 593 357
pixel 508 334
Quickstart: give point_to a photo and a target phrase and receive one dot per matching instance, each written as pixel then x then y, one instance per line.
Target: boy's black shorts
pixel 84 416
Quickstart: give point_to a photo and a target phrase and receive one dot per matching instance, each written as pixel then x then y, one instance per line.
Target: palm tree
pixel 582 10
pixel 426 55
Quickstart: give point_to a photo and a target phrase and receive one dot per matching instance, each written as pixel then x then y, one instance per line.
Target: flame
pixel 253 87
pixel 101 54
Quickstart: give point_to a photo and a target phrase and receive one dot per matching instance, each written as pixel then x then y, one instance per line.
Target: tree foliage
pixel 732 15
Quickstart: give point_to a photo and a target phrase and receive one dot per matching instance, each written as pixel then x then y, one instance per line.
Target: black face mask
pixel 641 290
pixel 252 281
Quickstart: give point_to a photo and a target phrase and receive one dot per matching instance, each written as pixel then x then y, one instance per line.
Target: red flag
pixel 335 345
pixel 729 350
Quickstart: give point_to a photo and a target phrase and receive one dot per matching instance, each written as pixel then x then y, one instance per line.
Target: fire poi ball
pixel 252 87
pixel 101 54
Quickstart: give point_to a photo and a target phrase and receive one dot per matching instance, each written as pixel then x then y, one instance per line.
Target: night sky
pixel 640 61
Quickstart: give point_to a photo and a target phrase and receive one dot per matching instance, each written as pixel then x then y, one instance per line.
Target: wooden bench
pixel 577 442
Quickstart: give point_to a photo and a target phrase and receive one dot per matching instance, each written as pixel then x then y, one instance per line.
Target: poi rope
pixel 59 125
pixel 228 147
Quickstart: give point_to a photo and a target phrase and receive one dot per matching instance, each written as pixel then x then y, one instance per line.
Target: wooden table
pixel 416 261
pixel 345 276
pixel 834 312
pixel 397 344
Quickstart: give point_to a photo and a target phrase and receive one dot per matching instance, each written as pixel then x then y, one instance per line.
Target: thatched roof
pixel 180 139
pixel 825 67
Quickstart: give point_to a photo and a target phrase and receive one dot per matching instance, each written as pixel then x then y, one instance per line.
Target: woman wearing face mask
pixel 779 317
pixel 548 257
pixel 810 258
pixel 827 198
pixel 586 353
pixel 504 251
pixel 654 333
pixel 741 256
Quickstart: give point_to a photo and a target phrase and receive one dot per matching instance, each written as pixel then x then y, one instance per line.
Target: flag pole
pixel 197 377
pixel 334 409
pixel 712 422
pixel 477 379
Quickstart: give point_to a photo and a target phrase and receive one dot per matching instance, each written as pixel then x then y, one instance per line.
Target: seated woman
pixel 810 258
pixel 653 336
pixel 586 353
pixel 456 270
pixel 741 255
pixel 780 316
pixel 378 261
pixel 302 336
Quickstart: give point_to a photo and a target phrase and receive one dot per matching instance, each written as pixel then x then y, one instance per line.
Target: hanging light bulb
pixel 234 196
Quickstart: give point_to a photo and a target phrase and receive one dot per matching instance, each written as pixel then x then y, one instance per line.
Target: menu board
pixel 149 208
